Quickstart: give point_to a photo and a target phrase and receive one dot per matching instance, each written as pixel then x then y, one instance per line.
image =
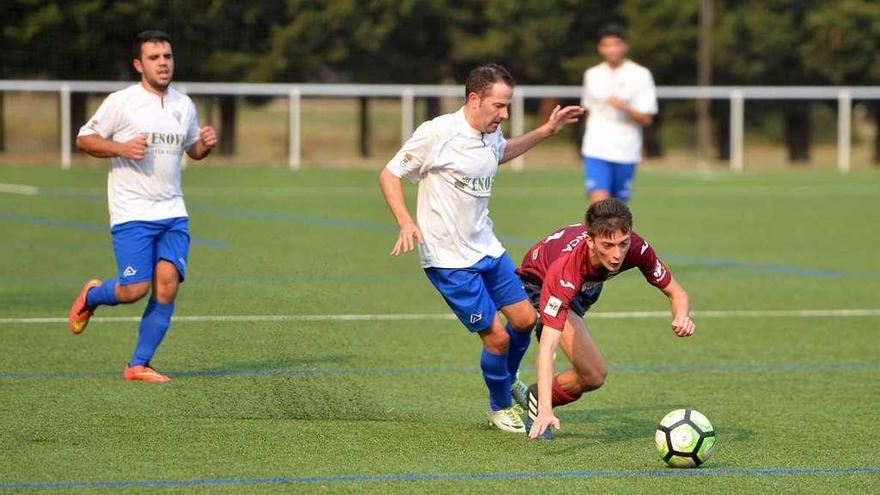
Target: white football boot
pixel 506 420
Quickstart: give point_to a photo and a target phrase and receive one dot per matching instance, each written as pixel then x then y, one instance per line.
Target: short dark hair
pixel 481 79
pixel 611 29
pixel 608 216
pixel 146 36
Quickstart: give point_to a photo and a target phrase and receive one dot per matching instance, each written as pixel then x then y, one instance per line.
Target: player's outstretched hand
pixel 683 326
pixel 405 238
pixel 135 148
pixel 208 137
pixel 542 422
pixel 561 117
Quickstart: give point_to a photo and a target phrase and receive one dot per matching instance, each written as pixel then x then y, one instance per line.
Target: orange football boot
pixel 144 374
pixel 79 314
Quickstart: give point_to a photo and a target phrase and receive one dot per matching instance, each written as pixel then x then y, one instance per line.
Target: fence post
pixel 517 125
pixel 294 102
pixel 65 126
pixel 737 117
pixel 407 114
pixel 844 128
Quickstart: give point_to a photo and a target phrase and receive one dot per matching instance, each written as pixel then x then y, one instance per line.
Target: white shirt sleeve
pixel 105 122
pixel 645 100
pixel 410 159
pixel 500 145
pixel 192 131
pixel 588 97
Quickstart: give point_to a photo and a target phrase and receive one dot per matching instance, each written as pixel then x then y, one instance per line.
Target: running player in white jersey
pixel 620 99
pixel 144 130
pixel 454 159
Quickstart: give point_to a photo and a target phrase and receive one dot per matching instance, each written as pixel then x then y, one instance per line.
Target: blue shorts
pixel 139 245
pixel 476 293
pixel 614 177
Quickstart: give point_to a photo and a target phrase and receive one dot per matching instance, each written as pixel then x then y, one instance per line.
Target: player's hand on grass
pixel 542 422
pixel 561 117
pixel 135 148
pixel 208 137
pixel 683 326
pixel 405 238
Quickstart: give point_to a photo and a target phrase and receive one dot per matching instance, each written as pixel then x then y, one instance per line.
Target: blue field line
pixel 511 241
pixel 369 226
pixel 655 473
pixel 719 262
pixel 671 368
pixel 752 265
pixel 92 227
pixel 296 218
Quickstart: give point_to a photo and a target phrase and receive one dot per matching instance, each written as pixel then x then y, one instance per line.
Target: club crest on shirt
pixel 659 271
pixel 176 114
pixel 552 307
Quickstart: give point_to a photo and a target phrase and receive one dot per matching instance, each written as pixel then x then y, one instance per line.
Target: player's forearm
pixel 643 119
pixel 520 144
pixel 545 368
pixel 392 190
pixel 198 151
pixel 678 299
pixel 97 146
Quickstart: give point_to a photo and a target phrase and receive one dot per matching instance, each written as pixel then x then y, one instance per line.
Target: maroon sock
pixel 561 397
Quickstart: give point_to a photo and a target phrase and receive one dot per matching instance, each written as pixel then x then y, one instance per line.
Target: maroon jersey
pixel 561 262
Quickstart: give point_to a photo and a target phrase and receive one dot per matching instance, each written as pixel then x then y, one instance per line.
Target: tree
pixel 756 43
pixel 842 46
pixel 663 37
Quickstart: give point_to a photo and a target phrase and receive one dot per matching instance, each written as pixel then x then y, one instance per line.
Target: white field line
pixel 610 315
pixel 19 189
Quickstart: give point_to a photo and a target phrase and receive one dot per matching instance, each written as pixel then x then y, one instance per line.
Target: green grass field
pixel 322 405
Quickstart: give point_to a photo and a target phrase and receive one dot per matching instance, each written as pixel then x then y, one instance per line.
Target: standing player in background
pixel 144 130
pixel 454 159
pixel 563 275
pixel 620 99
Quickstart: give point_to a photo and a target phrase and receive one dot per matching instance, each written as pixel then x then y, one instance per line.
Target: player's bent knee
pixel 166 292
pixel 592 379
pixel 495 342
pixel 133 292
pixel 525 322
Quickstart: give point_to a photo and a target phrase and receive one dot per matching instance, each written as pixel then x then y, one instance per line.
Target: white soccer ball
pixel 685 438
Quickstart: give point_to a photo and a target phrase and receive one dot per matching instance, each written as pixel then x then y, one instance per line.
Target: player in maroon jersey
pixel 563 276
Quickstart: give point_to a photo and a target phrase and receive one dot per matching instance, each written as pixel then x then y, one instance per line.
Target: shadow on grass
pixel 611 425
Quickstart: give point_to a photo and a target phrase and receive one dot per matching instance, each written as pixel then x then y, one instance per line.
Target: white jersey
pixel 146 189
pixel 611 135
pixel 455 167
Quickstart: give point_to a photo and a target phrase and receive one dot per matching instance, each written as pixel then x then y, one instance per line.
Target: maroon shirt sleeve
pixel 562 282
pixel 644 257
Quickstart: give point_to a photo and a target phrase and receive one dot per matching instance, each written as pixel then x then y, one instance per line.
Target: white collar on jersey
pixel 464 126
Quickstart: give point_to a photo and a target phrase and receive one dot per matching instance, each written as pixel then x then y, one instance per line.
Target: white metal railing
pixel 407 94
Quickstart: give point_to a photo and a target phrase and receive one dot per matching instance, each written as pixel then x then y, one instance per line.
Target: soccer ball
pixel 685 438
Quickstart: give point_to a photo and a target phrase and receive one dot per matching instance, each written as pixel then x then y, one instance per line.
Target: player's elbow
pixel 81 144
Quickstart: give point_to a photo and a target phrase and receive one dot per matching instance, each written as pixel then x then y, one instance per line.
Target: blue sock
pixel 154 324
pixel 519 344
pixel 102 295
pixel 497 379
